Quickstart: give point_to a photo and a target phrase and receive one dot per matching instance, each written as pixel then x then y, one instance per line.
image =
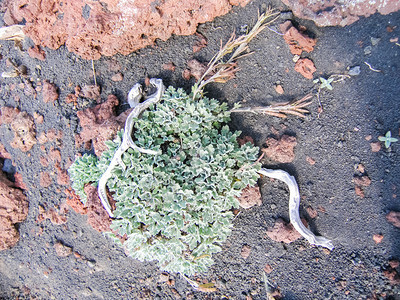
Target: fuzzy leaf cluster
pixel 175 207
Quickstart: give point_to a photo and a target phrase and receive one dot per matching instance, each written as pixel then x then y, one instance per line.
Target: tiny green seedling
pixel 325 83
pixel 387 139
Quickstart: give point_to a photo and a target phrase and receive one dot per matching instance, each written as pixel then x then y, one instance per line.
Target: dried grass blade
pixel 12 33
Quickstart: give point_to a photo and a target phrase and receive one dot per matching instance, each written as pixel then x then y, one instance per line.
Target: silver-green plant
pixel 176 207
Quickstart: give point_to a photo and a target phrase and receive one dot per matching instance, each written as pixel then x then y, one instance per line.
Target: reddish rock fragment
pixel 394 218
pixel 22 125
pixel 45 179
pixel 117 77
pixel 283 232
pixel 99 124
pixel 8 114
pixel 250 197
pixel 244 140
pixel 111 26
pixel 169 67
pixel 305 67
pixel 362 180
pixel 197 69
pixel 297 41
pixel 97 216
pixel 394 263
pixel 90 92
pixel 279 89
pixel 200 43
pixel 310 161
pixel 74 202
pixel 268 269
pixel 62 250
pixel 38 118
pixel 3 152
pixel 245 252
pixel 62 175
pixel 312 212
pixel 359 191
pixel 37 52
pixel 392 275
pixel 19 182
pixel 55 155
pixel 280 150
pixel 49 92
pixel 375 147
pixel 51 214
pixel 186 74
pixel 13 210
pixel 333 13
pixel 377 238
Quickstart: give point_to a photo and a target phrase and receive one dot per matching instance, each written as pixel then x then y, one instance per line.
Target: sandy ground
pixel 338 139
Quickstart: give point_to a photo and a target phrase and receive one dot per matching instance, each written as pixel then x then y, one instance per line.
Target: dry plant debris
pixel 281 110
pixel 220 70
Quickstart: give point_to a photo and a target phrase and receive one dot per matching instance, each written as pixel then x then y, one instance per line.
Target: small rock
pixel 359 191
pixel 197 69
pixel 283 232
pixel 297 41
pixel 186 74
pixel 62 250
pixel 169 67
pixel 354 71
pixel 250 197
pixel 37 52
pixel 368 137
pixel 49 92
pixel 280 150
pixel 310 160
pixel 393 217
pixel 245 252
pixel 90 92
pixel 377 238
pixel 305 67
pixel 367 50
pixel 311 212
pixel 394 263
pixel 279 89
pixel 361 168
pixel 362 180
pixel 45 179
pixel 117 77
pixel 91 263
pixel 268 269
pixel 246 139
pixel 38 118
pixel 164 277
pixel 375 147
pixel 200 43
pixel 375 41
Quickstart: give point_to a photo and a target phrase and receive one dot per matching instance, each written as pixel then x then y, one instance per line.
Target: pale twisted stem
pixel 294 203
pixel 127 142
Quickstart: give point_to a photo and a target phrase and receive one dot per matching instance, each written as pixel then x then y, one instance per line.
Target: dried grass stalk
pixel 221 71
pixel 280 110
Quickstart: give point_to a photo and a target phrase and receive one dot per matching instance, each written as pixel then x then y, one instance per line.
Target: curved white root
pixel 133 99
pixel 294 203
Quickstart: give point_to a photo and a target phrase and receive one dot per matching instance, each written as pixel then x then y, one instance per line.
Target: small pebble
pixel 355 71
pixel 367 50
pixel 375 41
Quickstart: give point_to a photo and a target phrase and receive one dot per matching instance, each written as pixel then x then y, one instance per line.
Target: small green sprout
pixel 387 139
pixel 325 83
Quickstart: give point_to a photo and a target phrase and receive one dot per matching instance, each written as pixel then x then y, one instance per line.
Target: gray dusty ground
pixel 363 105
